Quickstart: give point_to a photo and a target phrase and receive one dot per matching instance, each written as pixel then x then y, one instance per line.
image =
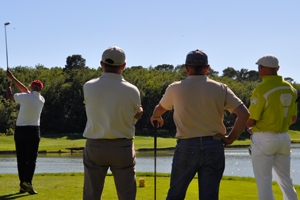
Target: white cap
pixel 268 61
pixel 114 56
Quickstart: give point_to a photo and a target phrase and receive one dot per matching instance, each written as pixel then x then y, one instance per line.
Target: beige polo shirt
pixel 199 104
pixel 111 103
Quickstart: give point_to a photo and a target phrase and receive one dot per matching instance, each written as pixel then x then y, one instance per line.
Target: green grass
pixel 55 144
pixel 60 143
pixel 69 186
pixel 295 136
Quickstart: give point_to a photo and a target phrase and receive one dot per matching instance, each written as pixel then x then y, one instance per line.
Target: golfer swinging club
pixel 27 130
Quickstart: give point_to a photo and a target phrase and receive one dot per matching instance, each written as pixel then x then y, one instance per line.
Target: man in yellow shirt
pixel 272 109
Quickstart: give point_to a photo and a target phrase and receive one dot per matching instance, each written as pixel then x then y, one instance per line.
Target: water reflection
pixel 238 163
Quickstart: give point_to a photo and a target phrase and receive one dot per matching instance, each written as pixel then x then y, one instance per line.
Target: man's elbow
pixel 245 117
pixel 247 114
pixel 160 108
pixel 242 111
pixel 9 96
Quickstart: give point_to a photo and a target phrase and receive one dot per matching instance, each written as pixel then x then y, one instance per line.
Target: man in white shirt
pixel 113 106
pixel 27 130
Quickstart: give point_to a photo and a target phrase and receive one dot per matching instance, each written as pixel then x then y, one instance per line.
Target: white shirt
pixel 31 106
pixel 111 103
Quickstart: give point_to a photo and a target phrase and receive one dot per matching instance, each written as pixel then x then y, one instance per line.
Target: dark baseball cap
pixel 196 58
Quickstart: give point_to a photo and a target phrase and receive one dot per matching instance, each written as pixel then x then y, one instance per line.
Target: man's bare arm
pixel 156 116
pixel 239 125
pixel 18 83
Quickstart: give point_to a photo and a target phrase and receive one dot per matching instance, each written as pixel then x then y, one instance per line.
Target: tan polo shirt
pixel 199 104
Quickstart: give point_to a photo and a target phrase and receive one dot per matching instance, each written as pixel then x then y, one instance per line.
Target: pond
pixel 238 163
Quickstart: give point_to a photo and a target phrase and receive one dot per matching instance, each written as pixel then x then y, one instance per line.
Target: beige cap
pixel 114 56
pixel 268 61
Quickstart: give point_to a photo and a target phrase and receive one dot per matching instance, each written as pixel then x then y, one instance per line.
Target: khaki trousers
pixel 118 155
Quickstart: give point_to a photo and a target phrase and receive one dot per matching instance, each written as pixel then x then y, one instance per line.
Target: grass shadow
pixel 13 196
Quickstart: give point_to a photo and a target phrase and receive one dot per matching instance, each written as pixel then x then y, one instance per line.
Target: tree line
pixel 64 111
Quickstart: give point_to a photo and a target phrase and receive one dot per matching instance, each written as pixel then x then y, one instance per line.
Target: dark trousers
pixel 204 156
pixel 27 139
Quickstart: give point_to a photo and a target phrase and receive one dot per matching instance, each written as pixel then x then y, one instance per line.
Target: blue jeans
pixel 204 156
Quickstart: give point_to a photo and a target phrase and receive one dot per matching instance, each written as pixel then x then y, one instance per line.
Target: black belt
pixel 109 139
pixel 204 138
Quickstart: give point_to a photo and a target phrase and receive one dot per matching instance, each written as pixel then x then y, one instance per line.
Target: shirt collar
pixel 197 77
pixel 272 77
pixel 112 76
pixel 35 93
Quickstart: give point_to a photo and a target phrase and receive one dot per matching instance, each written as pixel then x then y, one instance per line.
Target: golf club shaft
pixel 6 46
pixel 155 145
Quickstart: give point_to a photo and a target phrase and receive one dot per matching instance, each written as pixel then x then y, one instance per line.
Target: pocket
pixel 124 157
pixel 216 157
pixel 95 156
pixel 182 158
pixel 264 140
pixel 287 137
pixel 265 146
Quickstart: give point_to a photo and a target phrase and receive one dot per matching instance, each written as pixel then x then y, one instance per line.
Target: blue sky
pixel 234 33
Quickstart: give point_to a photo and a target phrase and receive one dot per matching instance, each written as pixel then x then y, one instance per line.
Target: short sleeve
pixel 257 103
pixel 167 100
pixel 231 101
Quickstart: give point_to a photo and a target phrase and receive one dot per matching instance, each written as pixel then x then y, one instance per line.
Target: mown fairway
pixel 68 186
pixel 60 143
pixel 54 144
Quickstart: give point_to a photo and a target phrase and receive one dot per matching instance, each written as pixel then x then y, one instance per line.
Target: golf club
pixel 155 145
pixel 6 24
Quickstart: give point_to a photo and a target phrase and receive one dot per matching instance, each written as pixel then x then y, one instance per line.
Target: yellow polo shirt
pixel 273 105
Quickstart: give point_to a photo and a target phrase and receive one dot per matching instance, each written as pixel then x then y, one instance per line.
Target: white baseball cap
pixel 268 61
pixel 114 56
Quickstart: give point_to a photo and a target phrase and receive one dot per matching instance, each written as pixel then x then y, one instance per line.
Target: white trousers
pixel 272 151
